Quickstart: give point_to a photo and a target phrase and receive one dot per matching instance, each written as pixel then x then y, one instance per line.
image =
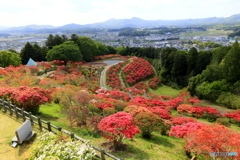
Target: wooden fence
pixel 20 113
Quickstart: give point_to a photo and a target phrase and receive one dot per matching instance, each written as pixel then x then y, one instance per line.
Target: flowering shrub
pixel 182 130
pixel 28 98
pixel 182 120
pixel 117 126
pixel 148 122
pixel 193 100
pixel 211 114
pixel 141 86
pixel 107 56
pixel 137 70
pixel 161 112
pixel 51 146
pixel 173 103
pixel 197 111
pixel 184 108
pixel 213 138
pixel 154 82
pixel 233 116
pixel 134 91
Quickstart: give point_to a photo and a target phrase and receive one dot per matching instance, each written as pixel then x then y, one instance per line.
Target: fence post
pixel 23 115
pixel 1 103
pixel 10 109
pixel 39 123
pixel 30 117
pixel 103 154
pixel 5 108
pixel 72 135
pixel 16 111
pixel 49 126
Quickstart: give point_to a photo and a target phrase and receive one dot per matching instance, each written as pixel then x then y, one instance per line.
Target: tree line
pixel 57 47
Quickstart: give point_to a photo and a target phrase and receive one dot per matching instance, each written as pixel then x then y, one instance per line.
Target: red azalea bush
pixel 174 103
pixel 234 116
pixel 184 108
pixel 213 138
pixel 154 82
pixel 182 130
pixel 182 120
pixel 117 126
pixel 194 100
pixel 137 70
pixel 134 91
pixel 141 86
pixel 28 98
pixel 211 114
pixel 197 111
pixel 161 111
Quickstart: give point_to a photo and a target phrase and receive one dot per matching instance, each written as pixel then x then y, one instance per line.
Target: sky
pixel 15 13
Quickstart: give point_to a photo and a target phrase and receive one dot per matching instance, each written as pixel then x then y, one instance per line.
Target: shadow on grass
pixel 133 152
pixel 161 140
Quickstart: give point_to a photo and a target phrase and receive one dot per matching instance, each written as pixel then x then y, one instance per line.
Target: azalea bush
pixel 118 126
pixel 211 114
pixel 182 130
pixel 141 86
pixel 154 82
pixel 233 116
pixel 212 138
pixel 51 146
pixel 148 122
pixel 28 98
pixel 185 108
pixel 137 70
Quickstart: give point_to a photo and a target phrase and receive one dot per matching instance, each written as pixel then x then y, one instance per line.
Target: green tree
pixel 231 64
pixel 49 41
pixel 192 60
pixel 111 50
pixel 102 49
pixel 27 52
pixel 179 68
pixel 9 58
pixel 68 51
pixel 40 53
pixel 88 48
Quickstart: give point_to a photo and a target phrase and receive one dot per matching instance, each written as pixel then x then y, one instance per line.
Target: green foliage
pixel 218 54
pixel 87 47
pixel 229 100
pixel 231 64
pixel 9 58
pixel 102 49
pixel 68 51
pixel 223 121
pixel 50 146
pixel 27 52
pixel 192 61
pixel 212 90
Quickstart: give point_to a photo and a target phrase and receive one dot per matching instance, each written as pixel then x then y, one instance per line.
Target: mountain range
pixel 121 23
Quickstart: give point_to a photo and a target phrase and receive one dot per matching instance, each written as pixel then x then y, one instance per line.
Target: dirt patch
pixel 7 132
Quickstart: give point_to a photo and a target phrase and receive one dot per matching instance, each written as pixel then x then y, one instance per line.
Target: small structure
pixel 23 133
pixel 31 62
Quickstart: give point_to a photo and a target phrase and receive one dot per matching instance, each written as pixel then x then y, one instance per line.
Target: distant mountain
pixel 122 23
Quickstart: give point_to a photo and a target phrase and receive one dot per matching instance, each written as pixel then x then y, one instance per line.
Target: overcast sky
pixel 61 12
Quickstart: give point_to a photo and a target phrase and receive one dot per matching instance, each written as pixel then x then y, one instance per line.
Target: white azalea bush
pixel 50 146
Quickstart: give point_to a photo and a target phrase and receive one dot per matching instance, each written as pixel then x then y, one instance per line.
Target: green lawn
pixel 165 90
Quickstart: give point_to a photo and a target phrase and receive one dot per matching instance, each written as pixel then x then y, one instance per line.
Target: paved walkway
pixel 7 132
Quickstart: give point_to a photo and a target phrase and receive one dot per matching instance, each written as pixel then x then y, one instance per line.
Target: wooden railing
pixel 20 113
